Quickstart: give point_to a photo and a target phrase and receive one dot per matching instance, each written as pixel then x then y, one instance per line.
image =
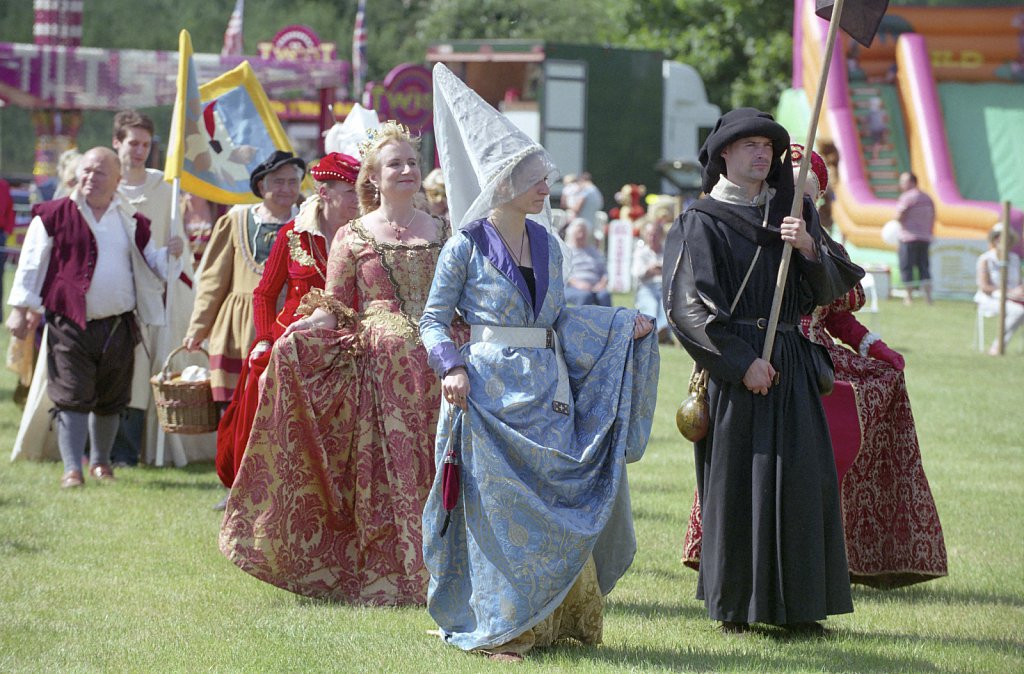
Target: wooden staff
pixel 798 195
pixel 1004 255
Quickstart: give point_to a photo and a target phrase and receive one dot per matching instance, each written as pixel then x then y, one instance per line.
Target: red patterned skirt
pixel 330 491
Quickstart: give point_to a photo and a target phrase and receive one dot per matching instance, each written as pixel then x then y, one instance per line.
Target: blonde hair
pixel 369 150
pixel 67 171
pixel 433 186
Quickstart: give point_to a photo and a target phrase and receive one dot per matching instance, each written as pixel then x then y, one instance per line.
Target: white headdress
pixel 344 137
pixel 479 149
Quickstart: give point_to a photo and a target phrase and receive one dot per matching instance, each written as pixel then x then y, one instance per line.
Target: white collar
pixel 116 202
pixel 260 221
pixel 308 219
pixel 731 193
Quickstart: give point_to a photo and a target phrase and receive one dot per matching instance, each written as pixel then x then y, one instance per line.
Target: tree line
pixel 741 48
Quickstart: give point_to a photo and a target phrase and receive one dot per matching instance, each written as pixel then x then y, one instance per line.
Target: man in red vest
pixel 89 264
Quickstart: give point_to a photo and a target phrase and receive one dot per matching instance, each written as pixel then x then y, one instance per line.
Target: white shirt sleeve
pixel 33 262
pixel 156 258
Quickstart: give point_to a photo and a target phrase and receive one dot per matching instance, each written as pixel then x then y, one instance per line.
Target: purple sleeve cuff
pixel 443 357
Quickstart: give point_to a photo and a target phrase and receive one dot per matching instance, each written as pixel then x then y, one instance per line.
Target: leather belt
pixel 762 324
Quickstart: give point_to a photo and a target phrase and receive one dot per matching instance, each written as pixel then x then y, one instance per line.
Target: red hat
pixel 796 151
pixel 336 166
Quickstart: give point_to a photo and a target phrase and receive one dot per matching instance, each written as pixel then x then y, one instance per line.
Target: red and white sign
pixel 620 256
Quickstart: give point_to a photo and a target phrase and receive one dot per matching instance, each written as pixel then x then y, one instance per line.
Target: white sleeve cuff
pixel 865 344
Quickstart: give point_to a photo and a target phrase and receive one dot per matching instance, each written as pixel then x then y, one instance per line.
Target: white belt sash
pixel 529 338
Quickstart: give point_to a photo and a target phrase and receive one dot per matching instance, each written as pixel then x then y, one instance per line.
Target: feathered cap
pixel 336 166
pixel 479 149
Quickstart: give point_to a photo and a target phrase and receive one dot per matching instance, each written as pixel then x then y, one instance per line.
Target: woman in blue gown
pixel 543 407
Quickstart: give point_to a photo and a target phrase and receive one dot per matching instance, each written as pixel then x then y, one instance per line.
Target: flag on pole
pixel 860 21
pixel 188 90
pixel 359 52
pixel 233 34
pixel 860 18
pixel 220 131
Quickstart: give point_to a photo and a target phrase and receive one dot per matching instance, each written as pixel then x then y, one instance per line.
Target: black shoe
pixel 730 627
pixel 806 629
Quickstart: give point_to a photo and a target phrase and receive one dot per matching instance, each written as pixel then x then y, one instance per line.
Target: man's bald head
pixel 101 154
pixel 99 172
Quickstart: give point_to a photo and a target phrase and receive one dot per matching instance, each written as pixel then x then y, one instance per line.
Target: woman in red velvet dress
pixel 298 262
pixel 893 534
pixel 891 525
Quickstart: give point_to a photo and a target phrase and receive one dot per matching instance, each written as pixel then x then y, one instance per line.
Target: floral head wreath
pixel 373 135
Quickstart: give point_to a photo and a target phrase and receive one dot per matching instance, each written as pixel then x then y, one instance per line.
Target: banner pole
pixel 172 278
pixel 798 194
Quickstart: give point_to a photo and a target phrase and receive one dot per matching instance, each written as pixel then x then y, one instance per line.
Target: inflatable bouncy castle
pixel 948 85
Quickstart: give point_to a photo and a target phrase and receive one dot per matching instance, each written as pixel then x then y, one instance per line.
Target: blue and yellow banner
pixel 220 131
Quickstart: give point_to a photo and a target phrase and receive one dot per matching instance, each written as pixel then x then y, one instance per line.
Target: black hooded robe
pixel 773 548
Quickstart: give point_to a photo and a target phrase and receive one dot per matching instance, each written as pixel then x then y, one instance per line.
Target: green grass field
pixel 128 577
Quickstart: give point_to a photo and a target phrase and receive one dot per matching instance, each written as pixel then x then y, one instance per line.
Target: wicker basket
pixel 183 406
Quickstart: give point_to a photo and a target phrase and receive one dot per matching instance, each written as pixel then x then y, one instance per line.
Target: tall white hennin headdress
pixel 478 148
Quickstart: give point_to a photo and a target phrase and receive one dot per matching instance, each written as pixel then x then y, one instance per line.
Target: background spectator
pixel 437 199
pixel 198 216
pixel 915 212
pixel 647 262
pixel 878 126
pixel 989 278
pixel 585 201
pixel 587 282
pixel 6 223
pixel 67 164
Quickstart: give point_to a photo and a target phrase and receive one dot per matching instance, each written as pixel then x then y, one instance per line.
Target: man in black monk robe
pixel 772 549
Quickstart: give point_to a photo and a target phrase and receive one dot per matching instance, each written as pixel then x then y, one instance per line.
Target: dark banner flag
pixel 860 18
